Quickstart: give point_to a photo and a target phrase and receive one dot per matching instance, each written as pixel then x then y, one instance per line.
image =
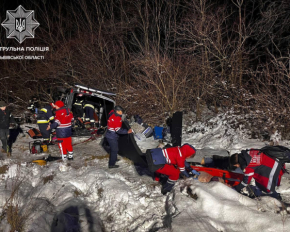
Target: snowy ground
pixel 99 199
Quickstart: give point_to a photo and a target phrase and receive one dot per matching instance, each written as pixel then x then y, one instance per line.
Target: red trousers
pixel 65 145
pixel 169 170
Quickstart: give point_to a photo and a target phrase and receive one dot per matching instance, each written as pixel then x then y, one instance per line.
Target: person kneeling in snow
pixel 266 171
pixel 171 162
pixel 62 123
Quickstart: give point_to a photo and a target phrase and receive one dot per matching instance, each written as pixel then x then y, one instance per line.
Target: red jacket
pixel 115 125
pixel 62 123
pixel 173 155
pixel 266 171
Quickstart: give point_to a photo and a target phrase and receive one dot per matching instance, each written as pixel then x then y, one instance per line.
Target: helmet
pixel 2 104
pixel 118 108
pixel 59 104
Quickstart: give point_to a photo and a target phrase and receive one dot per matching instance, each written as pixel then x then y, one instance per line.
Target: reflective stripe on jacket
pixel 114 126
pixel 45 115
pixel 62 123
pixel 173 155
pixel 266 171
pixel 89 105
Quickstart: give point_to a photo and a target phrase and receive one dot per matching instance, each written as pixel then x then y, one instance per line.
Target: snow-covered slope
pixel 90 197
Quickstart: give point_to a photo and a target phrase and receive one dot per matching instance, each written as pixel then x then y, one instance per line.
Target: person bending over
pixel 171 162
pixel 266 172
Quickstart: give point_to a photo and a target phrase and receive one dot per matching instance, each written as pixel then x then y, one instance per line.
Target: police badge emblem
pixel 20 24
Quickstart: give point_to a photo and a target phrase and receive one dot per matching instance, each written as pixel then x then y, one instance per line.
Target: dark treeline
pixel 160 56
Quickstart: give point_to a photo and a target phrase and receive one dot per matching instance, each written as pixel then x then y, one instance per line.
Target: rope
pixel 91 138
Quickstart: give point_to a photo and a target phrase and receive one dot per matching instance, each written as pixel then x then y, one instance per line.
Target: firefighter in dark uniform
pixel 78 112
pixel 89 108
pixel 77 108
pixel 44 117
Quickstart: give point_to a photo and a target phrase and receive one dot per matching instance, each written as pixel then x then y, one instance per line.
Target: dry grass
pixel 47 179
pixel 15 218
pixel 209 65
pixel 100 192
pixel 4 169
pixel 77 193
pixel 110 218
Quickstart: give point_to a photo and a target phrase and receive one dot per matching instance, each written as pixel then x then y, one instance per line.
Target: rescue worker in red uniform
pixel 114 128
pixel 171 162
pixel 62 123
pixel 266 171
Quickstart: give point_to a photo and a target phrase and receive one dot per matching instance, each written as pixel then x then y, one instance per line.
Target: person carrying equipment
pixel 5 119
pixel 89 108
pixel 112 134
pixel 171 162
pixel 44 117
pixel 62 123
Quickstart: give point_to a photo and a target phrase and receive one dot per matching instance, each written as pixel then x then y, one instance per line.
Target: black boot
pixel 113 166
pixel 167 187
